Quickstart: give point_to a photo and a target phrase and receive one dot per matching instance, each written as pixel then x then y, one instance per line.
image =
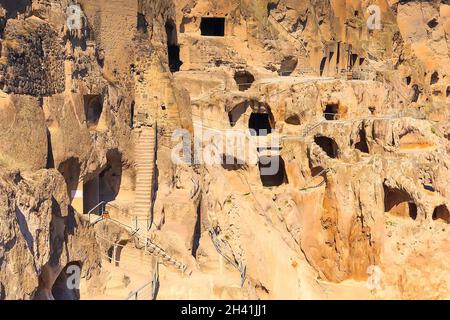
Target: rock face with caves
pixel 251 149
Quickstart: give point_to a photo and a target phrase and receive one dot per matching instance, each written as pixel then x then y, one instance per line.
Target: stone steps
pixel 145 160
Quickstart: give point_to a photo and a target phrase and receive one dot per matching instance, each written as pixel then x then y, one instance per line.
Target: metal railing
pixel 144 242
pixel 153 285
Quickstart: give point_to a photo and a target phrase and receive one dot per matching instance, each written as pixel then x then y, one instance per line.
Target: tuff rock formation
pixel 128 150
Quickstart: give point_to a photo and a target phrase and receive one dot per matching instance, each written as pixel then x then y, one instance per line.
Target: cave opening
pixel 441 213
pixel 244 79
pixel 434 78
pixel 91 195
pixel 66 286
pixel 433 23
pixel 328 145
pixel 93 108
pixel 353 60
pixel 110 178
pixel 173 49
pixel 70 169
pixel 212 27
pixel 50 158
pixel 362 145
pixel 132 113
pixel 408 80
pixel 272 171
pixel 142 24
pixel 293 120
pixel 399 203
pixel 259 124
pixel 322 65
pixel 197 233
pixel 331 112
pixel 105 186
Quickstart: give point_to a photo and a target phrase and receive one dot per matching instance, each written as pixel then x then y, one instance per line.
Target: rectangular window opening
pixel 212 27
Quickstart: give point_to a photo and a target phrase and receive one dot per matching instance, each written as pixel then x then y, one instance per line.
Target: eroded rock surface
pixel 96 96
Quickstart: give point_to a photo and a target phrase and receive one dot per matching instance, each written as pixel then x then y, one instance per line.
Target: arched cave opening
pixel 260 124
pixel 408 80
pixel 66 285
pixel 244 79
pixel 328 145
pixel 434 78
pixel 70 170
pixel 119 248
pixel 173 49
pixel 362 145
pixel 441 213
pixel 399 203
pixel 272 171
pixel 331 112
pixel 353 60
pixel 212 27
pixel 432 23
pixel 93 108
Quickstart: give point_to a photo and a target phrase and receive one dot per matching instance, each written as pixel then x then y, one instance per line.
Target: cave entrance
pixel 441 213
pixel 91 195
pixel 272 171
pixel 70 170
pixel 173 49
pixel 362 145
pixel 105 186
pixel 212 27
pixel 259 124
pixel 93 108
pixel 328 145
pixel 110 178
pixel 353 60
pixel 244 79
pixel 399 203
pixel 142 24
pixel 322 65
pixel 66 286
pixel 331 112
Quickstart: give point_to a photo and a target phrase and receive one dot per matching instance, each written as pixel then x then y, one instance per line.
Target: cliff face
pixel 92 113
pixel 41 235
